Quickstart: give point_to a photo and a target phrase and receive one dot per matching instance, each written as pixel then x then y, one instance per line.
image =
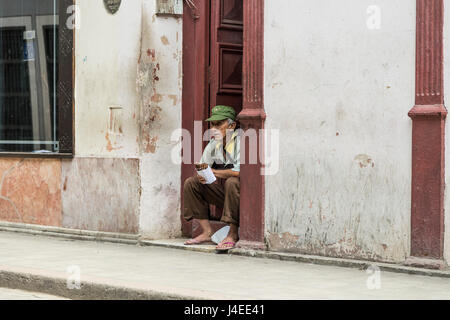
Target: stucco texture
pixel 30 191
pixel 339 94
pixel 127 104
pixel 101 194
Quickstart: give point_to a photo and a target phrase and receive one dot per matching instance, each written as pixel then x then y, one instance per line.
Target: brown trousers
pixel 198 196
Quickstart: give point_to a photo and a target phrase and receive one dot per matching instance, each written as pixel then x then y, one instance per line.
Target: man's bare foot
pixel 230 241
pixel 204 237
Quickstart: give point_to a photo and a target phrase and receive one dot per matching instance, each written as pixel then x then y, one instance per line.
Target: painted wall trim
pixel 253 116
pixel 428 134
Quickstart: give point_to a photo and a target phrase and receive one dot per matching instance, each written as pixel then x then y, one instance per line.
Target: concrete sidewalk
pixel 121 271
pixel 13 294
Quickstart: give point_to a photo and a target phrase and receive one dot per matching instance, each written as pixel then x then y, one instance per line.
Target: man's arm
pixel 225 174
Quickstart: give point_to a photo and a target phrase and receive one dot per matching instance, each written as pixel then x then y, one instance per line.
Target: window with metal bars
pixel 34 73
pixel 15 97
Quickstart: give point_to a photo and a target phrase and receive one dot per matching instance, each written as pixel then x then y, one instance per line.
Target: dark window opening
pixel 15 97
pixel 36 58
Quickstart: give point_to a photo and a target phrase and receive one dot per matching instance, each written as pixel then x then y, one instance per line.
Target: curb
pixel 87 291
pixel 72 234
pixel 94 288
pixel 301 258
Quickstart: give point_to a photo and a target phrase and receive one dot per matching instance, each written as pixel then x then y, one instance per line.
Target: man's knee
pixel 232 184
pixel 191 183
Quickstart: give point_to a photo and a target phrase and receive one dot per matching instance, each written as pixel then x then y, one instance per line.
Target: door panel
pixel 226 48
pixel 232 14
pixel 225 67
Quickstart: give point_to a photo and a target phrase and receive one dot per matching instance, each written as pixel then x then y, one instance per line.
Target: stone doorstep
pixel 426 267
pixel 425 263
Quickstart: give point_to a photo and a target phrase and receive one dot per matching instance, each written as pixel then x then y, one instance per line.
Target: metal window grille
pixel 15 96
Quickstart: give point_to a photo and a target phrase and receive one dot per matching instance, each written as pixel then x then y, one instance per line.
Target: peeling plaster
pixel 174 98
pixel 30 191
pixel 150 112
pixel 311 212
pixel 2 196
pixel 164 40
pixel 159 89
pixel 364 161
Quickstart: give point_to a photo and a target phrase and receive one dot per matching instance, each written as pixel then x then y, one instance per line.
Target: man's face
pixel 219 128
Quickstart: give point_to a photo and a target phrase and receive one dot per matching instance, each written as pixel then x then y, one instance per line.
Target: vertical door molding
pixel 195 88
pixel 428 134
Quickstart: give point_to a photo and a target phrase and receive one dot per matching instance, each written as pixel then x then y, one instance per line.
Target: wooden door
pixel 225 59
pixel 212 72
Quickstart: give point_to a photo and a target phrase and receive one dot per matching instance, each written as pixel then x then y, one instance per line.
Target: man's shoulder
pixel 210 144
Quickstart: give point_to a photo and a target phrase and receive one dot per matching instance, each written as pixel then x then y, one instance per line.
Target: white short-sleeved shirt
pixel 214 153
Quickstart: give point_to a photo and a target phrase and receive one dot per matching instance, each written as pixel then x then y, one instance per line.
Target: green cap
pixel 220 113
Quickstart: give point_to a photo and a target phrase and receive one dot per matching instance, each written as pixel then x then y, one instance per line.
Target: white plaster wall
pixel 132 60
pixel 447 129
pixel 160 177
pixel 339 93
pixel 106 53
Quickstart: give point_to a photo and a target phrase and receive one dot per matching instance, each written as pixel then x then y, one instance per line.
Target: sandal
pixel 226 246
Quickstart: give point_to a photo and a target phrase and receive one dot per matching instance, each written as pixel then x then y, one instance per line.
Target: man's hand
pixel 225 174
pixel 220 174
pixel 201 179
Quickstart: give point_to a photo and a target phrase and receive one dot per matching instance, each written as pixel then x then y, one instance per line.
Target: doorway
pixel 212 68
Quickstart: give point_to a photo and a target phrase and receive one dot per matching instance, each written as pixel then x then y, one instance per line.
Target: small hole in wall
pixel 115 120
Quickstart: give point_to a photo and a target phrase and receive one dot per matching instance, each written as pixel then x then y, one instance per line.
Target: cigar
pixel 201 166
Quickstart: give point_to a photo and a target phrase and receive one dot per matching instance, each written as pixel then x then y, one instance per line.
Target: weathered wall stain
pixel 174 98
pixel 109 145
pixel 101 194
pixel 151 54
pixel 157 97
pixel 311 212
pixel 169 208
pixel 9 206
pixel 30 191
pixel 150 111
pixel 164 40
pixel 150 143
pixel 114 133
pixel 285 241
pixel 364 161
pixel 160 114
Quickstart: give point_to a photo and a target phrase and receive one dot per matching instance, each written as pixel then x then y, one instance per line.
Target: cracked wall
pixel 101 194
pixel 127 103
pixel 127 98
pixel 159 87
pixel 30 191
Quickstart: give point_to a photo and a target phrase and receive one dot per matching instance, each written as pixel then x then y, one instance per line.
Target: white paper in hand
pixel 208 175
